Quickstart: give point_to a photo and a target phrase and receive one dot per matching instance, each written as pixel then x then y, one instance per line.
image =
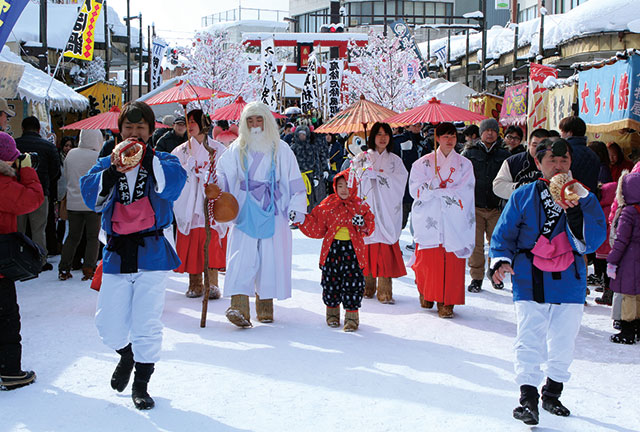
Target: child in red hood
pixel 343 220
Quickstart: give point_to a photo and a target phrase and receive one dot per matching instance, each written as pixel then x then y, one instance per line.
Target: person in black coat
pixel 486 156
pixel 48 169
pixel 174 137
pixel 585 164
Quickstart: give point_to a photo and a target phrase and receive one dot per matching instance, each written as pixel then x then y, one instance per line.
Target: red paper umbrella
pixel 434 112
pixel 357 118
pixel 233 111
pixel 107 120
pixel 183 93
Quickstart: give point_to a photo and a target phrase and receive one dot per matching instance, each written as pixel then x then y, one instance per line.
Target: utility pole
pixel 541 40
pixel 516 8
pixel 149 58
pixel 107 45
pixel 483 75
pixel 43 59
pixel 384 24
pixel 128 74
pixel 140 58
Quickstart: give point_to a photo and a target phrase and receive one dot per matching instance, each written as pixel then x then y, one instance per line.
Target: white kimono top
pixel 443 216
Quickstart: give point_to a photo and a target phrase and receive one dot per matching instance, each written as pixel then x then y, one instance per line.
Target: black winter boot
pixel 122 373
pixel 551 392
pixel 527 412
pixel 606 299
pixel 141 398
pixel 636 324
pixel 627 333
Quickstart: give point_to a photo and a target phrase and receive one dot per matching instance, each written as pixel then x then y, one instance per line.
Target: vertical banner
pixel 309 97
pixel 334 83
pixel 269 73
pixel 514 106
pixel 538 96
pixel 561 102
pixel 10 76
pixel 407 41
pixel 157 53
pixel 10 11
pixel 80 43
pixel 609 97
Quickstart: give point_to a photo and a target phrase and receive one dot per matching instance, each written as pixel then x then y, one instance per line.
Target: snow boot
pixel 551 392
pixel 528 412
pixel 87 273
pixel 636 324
pixel 195 286
pixel 385 295
pixel 445 311
pixel 122 373
pixel 351 321
pixel 214 291
pixel 141 398
pixel 616 325
pixel 606 299
pixel 627 333
pixel 238 312
pixel 475 286
pixel 425 303
pixel 264 310
pixel 14 381
pixel 333 316
pixel 63 275
pixel 369 286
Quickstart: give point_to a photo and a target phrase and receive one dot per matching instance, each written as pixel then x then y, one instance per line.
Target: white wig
pixel 271 133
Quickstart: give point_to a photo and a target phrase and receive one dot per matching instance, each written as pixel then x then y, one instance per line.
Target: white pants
pixel 129 310
pixel 259 266
pixel 546 334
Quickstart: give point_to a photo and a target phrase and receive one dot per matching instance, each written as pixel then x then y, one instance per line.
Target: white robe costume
pixel 382 185
pixel 262 266
pixel 189 207
pixel 443 216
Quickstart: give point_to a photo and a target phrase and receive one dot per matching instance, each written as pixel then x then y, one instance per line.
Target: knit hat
pixel 8 150
pixel 489 124
pixel 168 120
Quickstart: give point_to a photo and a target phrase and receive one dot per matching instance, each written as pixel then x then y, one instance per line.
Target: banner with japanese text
pixel 334 83
pixel 538 96
pixel 102 96
pixel 309 98
pixel 269 72
pixel 609 97
pixel 407 41
pixel 10 11
pixel 488 105
pixel 10 76
pixel 514 105
pixel 560 105
pixel 157 53
pixel 80 43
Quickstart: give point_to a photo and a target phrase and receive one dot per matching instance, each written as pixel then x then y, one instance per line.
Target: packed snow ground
pixel 403 370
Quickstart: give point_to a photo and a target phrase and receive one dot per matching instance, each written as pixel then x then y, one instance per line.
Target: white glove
pixel 295 217
pixel 191 163
pixel 316 182
pixel 407 145
pixel 612 269
pixel 357 220
pixel 325 175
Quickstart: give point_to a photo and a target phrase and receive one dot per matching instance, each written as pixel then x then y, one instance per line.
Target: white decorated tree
pixel 96 70
pixel 388 73
pixel 213 61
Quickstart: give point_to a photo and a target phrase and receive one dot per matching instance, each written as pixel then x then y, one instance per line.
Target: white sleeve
pixel 503 184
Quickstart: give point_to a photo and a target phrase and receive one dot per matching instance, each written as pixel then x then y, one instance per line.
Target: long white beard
pixel 259 143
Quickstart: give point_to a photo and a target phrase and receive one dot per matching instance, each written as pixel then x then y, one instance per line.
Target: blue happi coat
pixel 517 231
pixel 166 180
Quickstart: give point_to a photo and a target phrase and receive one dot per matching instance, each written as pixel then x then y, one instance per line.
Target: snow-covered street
pixel 405 369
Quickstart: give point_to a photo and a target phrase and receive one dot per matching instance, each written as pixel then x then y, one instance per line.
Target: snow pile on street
pixel 591 17
pixel 405 369
pixel 34 84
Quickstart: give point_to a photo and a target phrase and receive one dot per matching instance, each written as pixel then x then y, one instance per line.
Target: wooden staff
pixel 207 230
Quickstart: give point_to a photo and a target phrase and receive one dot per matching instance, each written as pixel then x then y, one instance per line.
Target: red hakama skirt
pixel 384 260
pixel 439 275
pixel 190 249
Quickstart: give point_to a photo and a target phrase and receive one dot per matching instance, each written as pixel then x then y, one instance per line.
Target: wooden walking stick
pixel 208 212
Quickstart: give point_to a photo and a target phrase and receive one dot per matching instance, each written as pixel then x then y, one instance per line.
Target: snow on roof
pixel 306 37
pixel 34 84
pixel 589 18
pixel 275 25
pixel 60 20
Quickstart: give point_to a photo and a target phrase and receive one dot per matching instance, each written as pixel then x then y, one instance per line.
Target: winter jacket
pixel 614 206
pixel 617 169
pixel 517 232
pixel 516 170
pixel 486 164
pixel 408 156
pixel 48 158
pixel 170 141
pixel 607 196
pixel 77 163
pixel 159 133
pixel 517 149
pixel 625 252
pixel 334 212
pixel 306 154
pixel 604 175
pixel 20 195
pixel 585 164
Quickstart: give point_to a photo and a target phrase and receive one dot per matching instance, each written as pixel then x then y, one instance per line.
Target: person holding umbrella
pixel 382 185
pixel 442 186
